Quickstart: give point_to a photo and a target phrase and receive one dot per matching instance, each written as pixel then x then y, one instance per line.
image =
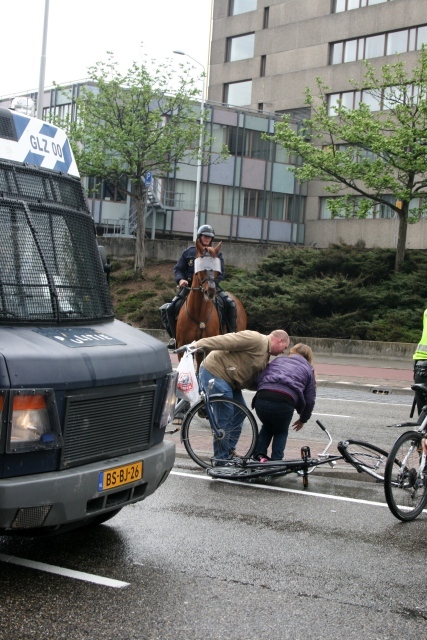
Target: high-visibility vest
pixel 421 351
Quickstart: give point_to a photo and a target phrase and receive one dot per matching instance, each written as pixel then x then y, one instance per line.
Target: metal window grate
pixel 105 426
pixel 50 269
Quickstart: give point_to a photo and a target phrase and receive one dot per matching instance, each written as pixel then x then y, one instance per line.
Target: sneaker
pixel 172 343
pixel 261 457
pixel 223 463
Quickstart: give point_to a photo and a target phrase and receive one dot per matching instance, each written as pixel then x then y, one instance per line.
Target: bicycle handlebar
pixel 321 426
pixel 186 348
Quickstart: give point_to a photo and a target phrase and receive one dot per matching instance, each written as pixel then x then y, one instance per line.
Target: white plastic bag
pixel 187 386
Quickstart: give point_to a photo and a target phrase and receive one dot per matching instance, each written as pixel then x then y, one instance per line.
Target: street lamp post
pixel 40 95
pixel 199 155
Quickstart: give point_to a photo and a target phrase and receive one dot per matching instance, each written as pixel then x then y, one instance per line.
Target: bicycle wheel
pixel 364 457
pixel 404 482
pixel 237 437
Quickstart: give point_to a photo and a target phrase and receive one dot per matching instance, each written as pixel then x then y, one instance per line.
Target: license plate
pixel 119 476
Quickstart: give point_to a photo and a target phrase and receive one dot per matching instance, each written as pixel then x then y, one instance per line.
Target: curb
pixel 372 388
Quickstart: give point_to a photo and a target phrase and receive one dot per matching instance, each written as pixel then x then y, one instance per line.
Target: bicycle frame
pixel 244 468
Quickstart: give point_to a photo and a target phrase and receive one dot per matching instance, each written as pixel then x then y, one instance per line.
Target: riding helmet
pixel 206 230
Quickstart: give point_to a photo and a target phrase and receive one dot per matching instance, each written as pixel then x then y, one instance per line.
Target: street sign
pixel 148 178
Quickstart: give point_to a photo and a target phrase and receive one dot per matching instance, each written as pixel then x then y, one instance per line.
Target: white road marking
pixel 332 415
pixel 282 489
pixel 390 404
pixel 66 573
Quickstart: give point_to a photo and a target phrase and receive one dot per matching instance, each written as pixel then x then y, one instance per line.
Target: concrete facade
pixel 296 45
pixel 242 255
pixel 293 44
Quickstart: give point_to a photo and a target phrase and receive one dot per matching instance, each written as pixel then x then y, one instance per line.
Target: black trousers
pixel 420 375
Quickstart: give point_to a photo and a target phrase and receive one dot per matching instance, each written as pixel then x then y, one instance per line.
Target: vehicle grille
pixel 99 426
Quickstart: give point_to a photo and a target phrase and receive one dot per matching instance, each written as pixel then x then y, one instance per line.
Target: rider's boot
pixel 172 323
pixel 231 312
pixel 164 311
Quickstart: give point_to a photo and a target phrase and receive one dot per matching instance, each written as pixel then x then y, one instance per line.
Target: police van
pixel 84 398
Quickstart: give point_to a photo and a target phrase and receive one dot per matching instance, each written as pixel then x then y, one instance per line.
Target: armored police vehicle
pixel 84 398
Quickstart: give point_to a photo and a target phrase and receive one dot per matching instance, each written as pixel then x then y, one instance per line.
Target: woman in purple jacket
pixel 287 383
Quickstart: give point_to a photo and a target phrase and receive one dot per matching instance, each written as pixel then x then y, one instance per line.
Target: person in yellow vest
pixel 420 363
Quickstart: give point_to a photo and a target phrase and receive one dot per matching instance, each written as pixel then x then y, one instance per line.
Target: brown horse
pixel 198 317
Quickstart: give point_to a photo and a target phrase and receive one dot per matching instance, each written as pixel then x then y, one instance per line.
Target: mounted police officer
pixel 183 273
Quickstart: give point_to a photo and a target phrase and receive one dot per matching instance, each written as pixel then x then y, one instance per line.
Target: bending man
pixel 234 362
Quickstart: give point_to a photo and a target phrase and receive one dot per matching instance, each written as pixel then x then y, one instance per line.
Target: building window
pixel 397 42
pixel 358 154
pixel 266 17
pixel 187 190
pixel 236 141
pixel 278 206
pixel 241 6
pixel 214 194
pixel 379 45
pixel 238 93
pixel 219 135
pixel 348 5
pixel 282 155
pixel 351 100
pixel 262 66
pixel 249 143
pixel 240 47
pixel 377 211
pixel 258 147
pixel 102 189
pixel 260 106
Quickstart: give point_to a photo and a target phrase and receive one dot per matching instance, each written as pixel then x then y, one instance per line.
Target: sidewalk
pixel 377 375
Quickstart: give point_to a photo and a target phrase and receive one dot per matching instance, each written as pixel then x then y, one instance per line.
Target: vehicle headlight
pixel 169 401
pixel 33 421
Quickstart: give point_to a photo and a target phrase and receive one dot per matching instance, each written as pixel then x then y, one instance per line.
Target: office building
pixel 264 53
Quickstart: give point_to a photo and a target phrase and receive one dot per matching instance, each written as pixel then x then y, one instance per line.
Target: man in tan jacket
pixel 234 362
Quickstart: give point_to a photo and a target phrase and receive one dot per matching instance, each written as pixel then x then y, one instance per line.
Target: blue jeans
pixel 276 418
pixel 228 418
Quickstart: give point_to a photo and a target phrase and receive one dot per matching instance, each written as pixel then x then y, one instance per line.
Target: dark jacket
pixel 292 375
pixel 184 268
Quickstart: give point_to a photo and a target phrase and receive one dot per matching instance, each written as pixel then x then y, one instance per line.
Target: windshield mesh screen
pixel 40 185
pixel 50 268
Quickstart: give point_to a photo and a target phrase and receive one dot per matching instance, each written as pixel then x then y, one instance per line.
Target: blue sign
pixel 148 178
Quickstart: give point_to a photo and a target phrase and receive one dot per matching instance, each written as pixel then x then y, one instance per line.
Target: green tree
pixel 372 154
pixel 129 123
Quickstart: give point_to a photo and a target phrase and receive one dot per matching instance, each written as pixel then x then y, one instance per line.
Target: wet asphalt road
pixel 206 559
